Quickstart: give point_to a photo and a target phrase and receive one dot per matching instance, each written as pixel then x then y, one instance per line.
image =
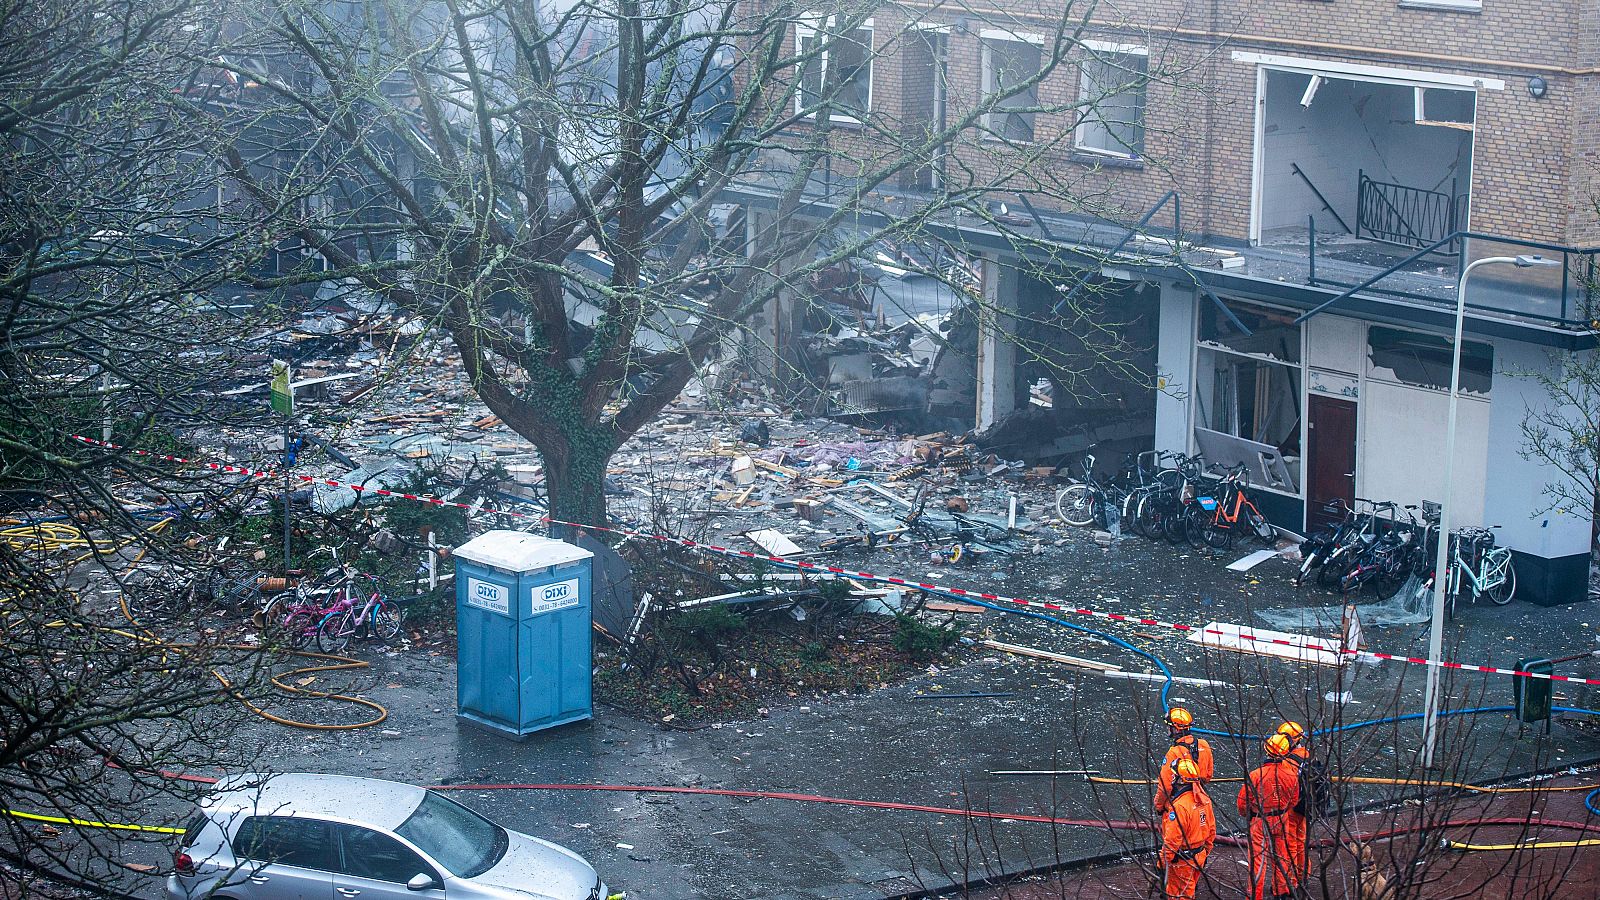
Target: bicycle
pixel 378 617
pixel 1213 522
pixel 292 616
pixel 1386 561
pixel 1476 564
pixel 1089 502
pixel 1148 481
pixel 1160 509
pixel 1342 555
pixel 1314 550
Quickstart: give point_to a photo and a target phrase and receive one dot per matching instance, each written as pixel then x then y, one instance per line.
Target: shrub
pixel 919 640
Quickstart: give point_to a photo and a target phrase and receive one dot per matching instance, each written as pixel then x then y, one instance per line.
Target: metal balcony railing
pixel 1406 216
pixel 1566 297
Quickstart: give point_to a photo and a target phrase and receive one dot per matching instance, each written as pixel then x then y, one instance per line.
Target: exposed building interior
pixel 1369 160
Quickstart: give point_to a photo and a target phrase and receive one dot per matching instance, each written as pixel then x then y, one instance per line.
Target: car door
pixel 283 858
pixel 376 866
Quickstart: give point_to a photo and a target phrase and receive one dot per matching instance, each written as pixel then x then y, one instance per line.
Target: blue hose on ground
pixel 1166 686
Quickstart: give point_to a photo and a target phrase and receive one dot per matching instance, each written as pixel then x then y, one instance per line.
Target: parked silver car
pixel 329 837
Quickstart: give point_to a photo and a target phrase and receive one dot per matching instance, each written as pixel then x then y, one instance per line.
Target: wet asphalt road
pixel 884 746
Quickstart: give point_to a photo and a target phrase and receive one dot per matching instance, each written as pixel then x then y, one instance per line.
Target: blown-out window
pixel 1424 360
pixel 836 70
pixel 1009 62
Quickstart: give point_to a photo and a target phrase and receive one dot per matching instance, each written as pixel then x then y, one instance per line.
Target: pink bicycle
pixel 379 617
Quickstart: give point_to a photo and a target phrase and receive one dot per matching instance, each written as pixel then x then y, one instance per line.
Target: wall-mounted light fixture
pixel 1538 87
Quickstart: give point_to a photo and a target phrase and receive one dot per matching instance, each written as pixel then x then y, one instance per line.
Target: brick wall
pixel 1536 165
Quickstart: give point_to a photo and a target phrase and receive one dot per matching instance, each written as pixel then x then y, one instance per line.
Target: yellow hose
pixel 1406 782
pixel 1463 847
pixel 87 823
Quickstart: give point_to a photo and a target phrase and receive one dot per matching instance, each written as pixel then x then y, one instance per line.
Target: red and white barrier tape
pixel 865 576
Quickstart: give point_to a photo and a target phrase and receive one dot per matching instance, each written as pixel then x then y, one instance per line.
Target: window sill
pixel 837 121
pixel 1105 161
pixel 1442 6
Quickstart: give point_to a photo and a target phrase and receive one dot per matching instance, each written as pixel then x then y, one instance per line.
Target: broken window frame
pixel 1206 413
pixel 1208 350
pixel 1420 112
pixel 1433 351
pixel 813 73
pixel 1098 97
pixel 1000 120
pixel 1259 318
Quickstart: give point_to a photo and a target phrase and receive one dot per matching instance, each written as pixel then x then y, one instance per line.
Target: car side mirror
pixel 422 881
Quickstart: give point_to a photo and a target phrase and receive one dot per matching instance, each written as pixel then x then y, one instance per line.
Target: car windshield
pixel 456 837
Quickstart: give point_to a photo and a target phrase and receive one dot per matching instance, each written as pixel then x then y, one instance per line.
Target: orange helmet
pixel 1278 746
pixel 1187 770
pixel 1294 731
pixel 1180 718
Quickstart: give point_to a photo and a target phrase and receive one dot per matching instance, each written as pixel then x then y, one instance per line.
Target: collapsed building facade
pixel 1298 159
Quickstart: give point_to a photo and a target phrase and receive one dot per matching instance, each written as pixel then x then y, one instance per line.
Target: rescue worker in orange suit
pixel 1277 832
pixel 1184 746
pixel 1188 830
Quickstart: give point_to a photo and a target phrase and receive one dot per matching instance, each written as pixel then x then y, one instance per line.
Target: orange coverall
pixel 1188 830
pixel 1184 747
pixel 1277 832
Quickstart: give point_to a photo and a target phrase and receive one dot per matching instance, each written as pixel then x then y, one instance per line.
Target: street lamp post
pixel 1431 702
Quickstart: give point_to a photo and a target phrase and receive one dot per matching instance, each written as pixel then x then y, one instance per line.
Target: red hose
pixel 804 798
pixel 1114 824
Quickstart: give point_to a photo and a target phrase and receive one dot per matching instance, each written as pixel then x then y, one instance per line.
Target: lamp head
pixel 1528 260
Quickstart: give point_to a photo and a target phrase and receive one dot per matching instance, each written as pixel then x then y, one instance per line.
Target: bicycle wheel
pixel 1075 505
pixel 1502 593
pixel 1147 517
pixel 1130 512
pixel 1262 529
pixel 1334 569
pixel 1309 561
pixel 297 630
pixel 333 633
pixel 1195 523
pixel 1218 535
pixel 386 620
pixel 1174 524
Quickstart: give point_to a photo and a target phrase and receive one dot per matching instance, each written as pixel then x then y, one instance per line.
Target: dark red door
pixel 1330 457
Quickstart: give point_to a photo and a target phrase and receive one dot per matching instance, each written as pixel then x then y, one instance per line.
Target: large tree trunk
pixel 574 475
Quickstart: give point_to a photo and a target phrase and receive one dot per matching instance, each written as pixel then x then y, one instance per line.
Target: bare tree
pixel 1564 432
pixel 113 226
pixel 544 182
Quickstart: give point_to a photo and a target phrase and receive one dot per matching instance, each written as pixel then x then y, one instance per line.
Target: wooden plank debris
pixel 1054 657
pixel 949 606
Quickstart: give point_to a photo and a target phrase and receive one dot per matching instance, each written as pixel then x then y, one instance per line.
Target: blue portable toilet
pixel 523 650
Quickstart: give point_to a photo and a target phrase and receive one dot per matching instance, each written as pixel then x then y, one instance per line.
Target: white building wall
pixel 1401 454
pixel 1515 493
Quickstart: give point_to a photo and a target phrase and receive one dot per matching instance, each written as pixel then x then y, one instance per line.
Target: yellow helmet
pixel 1187 770
pixel 1278 746
pixel 1294 731
pixel 1180 718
